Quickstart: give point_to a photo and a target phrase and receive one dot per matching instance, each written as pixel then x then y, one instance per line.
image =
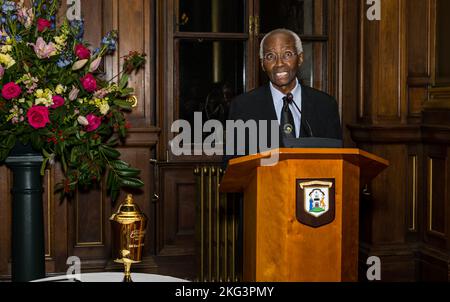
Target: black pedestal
pixel 28 253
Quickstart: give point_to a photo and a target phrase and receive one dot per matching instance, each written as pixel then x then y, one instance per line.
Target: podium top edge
pixel 307 152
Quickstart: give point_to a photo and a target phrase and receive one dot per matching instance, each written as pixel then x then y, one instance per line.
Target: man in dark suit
pixel 301 111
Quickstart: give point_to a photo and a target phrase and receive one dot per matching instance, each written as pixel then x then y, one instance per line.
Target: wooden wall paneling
pixel 434 256
pixel 92 14
pixel 383 64
pixel 177 228
pixel 59 224
pixel 418 53
pixel 346 62
pixel 166 76
pixel 5 226
pixel 418 37
pixel 436 197
pixel 389 194
pixel 368 73
pixel 133 16
pixel 415 191
pixel 87 224
pixel 447 208
pixel 433 265
pixel 49 227
pixel 417 96
pixel 175 220
pixel 412 193
pixel 133 20
pixel 384 216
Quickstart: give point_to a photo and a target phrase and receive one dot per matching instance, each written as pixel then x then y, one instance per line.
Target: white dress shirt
pixel 277 97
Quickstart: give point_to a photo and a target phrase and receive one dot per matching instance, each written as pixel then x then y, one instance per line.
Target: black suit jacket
pixel 318 108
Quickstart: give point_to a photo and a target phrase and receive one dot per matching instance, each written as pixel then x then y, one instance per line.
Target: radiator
pixel 217 221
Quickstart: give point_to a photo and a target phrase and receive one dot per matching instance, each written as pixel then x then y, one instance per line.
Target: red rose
pixel 82 52
pixel 94 122
pixel 11 90
pixel 42 24
pixel 89 83
pixel 58 101
pixel 38 116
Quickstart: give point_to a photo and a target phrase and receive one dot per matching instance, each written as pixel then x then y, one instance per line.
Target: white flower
pixel 104 108
pixel 79 64
pixel 82 120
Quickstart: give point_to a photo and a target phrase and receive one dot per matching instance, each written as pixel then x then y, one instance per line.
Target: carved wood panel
pixel 176 210
pixel 383 64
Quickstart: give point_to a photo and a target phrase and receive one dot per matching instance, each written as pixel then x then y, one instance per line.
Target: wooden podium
pixel 277 246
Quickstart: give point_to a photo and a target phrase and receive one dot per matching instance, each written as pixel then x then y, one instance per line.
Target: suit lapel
pixel 267 108
pixel 307 111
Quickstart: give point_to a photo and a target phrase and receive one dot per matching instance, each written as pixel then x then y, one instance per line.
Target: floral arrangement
pixel 53 96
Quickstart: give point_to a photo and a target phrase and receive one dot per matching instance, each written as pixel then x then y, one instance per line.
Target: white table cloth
pixel 111 277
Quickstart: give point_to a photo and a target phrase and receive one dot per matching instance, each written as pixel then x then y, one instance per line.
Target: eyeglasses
pixel 285 56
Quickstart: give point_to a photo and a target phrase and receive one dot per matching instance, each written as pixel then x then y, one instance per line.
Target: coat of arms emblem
pixel 315 201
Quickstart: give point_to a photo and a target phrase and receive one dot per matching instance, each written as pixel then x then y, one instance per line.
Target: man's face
pixel 280 61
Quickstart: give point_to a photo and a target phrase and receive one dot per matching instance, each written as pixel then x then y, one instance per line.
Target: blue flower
pixel 78 28
pixel 65 59
pixel 96 51
pixel 8 6
pixel 61 63
pixel 110 40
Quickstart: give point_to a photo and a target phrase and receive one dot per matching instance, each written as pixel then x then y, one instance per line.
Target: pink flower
pixel 11 90
pixel 82 52
pixel 38 116
pixel 2 71
pixel 94 122
pixel 42 24
pixel 101 93
pixel 95 64
pixel 73 93
pixel 89 83
pixel 25 16
pixel 42 49
pixel 58 101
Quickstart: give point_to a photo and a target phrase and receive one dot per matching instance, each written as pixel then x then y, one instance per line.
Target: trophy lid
pixel 128 212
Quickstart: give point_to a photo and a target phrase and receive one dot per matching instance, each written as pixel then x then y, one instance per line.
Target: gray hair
pixel 298 42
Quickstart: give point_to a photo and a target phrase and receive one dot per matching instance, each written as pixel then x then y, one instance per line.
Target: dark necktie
pixel 287 125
